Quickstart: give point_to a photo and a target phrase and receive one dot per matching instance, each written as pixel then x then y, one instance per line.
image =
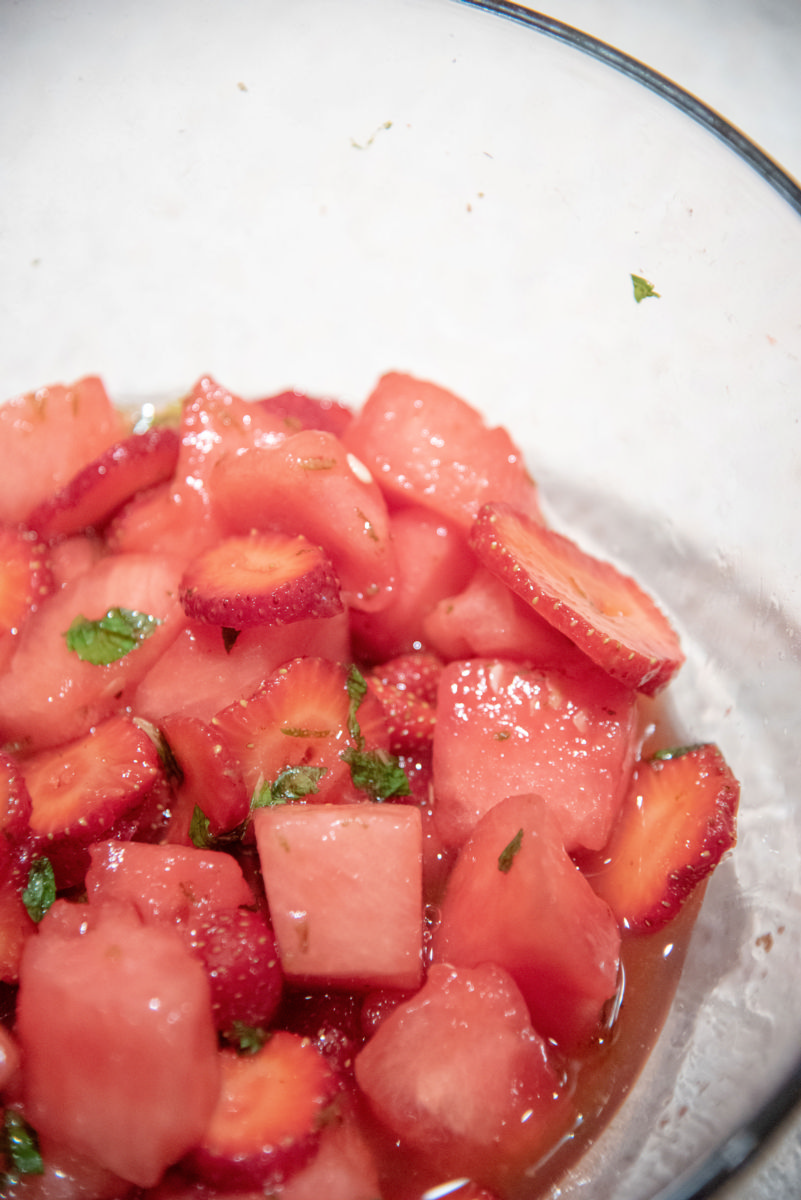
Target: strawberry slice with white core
pixel 262 579
pixel 267 1121
pixel 93 495
pixel 80 789
pixel 675 825
pixel 604 612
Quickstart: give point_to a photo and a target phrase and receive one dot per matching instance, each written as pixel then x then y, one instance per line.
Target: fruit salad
pixel 342 852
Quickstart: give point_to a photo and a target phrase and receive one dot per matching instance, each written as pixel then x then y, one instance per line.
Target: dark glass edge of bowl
pixel 744 1145
pixel 679 97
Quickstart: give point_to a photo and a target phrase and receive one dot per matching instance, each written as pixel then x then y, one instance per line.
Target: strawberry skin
pixel 266 578
pixel 80 789
pixel 91 497
pixel 675 825
pixel 238 950
pixel 605 613
pixel 210 776
pixel 410 720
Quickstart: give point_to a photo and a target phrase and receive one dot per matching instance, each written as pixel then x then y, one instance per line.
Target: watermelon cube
pixel 459 1073
pixel 503 729
pixel 515 898
pixel 344 887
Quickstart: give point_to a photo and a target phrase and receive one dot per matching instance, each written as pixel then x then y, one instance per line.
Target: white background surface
pixel 742 58
pixel 739 56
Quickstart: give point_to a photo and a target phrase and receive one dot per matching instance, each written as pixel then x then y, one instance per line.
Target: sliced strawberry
pixel 410 721
pixel 605 613
pixel 329 1019
pixel 427 446
pixel 300 411
pixel 91 497
pixel 267 1121
pixel 310 484
pixel 676 823
pixel 47 436
pixel 260 579
pixel 292 733
pixel 417 674
pixel 78 790
pixel 25 579
pixel 16 926
pixel 238 950
pixel 210 776
pixel 15 800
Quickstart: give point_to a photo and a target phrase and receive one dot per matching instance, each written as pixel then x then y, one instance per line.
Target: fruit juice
pixel 345 849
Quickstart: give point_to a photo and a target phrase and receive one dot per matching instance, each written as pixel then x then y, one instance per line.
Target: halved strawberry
pixel 301 411
pixel 266 578
pixel 91 497
pixel 25 578
pixel 292 733
pixel 237 948
pixel 210 776
pixel 676 823
pixel 268 1117
pixel 16 926
pixel 604 612
pixel 78 790
pixel 427 446
pixel 46 436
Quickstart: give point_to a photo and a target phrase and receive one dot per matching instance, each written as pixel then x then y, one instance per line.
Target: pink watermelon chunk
pixel 344 886
pixel 515 898
pixel 459 1072
pixel 503 729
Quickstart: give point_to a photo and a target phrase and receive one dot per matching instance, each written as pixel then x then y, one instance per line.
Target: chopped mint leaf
pixel 507 855
pixel 643 289
pixel 676 751
pixel 377 773
pixel 110 637
pixel 248 1039
pixel 356 687
pixel 229 637
pixel 317 463
pixel 41 890
pixel 200 830
pixel 21 1144
pixel 293 783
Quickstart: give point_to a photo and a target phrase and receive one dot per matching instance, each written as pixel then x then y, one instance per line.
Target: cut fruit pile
pixel 327 817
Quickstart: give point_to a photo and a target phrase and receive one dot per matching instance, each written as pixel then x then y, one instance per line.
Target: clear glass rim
pixel 743 1145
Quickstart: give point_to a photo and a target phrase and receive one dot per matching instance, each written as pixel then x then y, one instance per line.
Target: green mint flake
pixel 41 889
pixel 293 783
pixel 300 731
pixel 229 637
pixel 21 1144
pixel 507 855
pixel 317 463
pixel 676 751
pixel 356 687
pixel 110 637
pixel 643 289
pixel 248 1039
pixel 377 773
pixel 200 829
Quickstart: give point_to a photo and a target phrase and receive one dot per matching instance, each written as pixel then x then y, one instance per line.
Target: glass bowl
pixel 311 194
